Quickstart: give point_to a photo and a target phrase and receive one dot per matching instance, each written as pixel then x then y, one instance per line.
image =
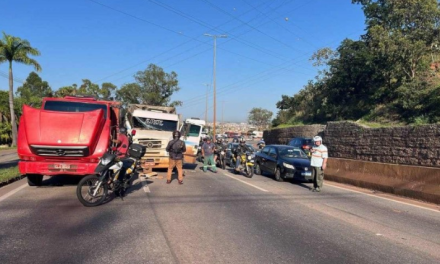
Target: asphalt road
pixel 214 218
pixel 8 158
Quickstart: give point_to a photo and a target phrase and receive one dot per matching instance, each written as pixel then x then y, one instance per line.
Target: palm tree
pixel 14 49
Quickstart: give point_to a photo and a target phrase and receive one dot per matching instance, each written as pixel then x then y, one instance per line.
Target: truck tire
pixel 34 179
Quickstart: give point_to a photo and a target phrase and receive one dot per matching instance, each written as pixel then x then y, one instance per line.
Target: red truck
pixel 66 136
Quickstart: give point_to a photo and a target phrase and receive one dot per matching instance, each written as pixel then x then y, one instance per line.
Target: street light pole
pixel 206 109
pixel 214 79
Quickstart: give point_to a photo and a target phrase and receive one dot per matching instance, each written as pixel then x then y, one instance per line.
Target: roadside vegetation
pixel 390 76
pixel 9 174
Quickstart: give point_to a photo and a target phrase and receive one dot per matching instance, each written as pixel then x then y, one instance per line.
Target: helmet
pixel 242 140
pixel 122 130
pixel 176 134
pixel 317 138
pixel 208 138
pixel 219 140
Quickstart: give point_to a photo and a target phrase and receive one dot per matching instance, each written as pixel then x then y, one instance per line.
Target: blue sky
pixel 264 56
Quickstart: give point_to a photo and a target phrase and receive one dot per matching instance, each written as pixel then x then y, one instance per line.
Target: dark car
pixel 304 143
pixel 284 162
pixel 230 149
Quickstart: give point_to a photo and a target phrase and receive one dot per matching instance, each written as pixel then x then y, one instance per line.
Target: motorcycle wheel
pixel 85 189
pixel 249 171
pixel 222 163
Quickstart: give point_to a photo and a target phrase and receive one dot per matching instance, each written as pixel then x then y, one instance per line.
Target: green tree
pixel 66 90
pixel 33 90
pixel 153 86
pixel 15 49
pixel 260 117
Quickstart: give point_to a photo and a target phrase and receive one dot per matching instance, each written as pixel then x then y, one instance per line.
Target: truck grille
pixel 60 151
pixel 151 144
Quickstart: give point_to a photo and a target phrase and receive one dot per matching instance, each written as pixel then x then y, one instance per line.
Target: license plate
pixel 307 173
pixel 149 163
pixel 61 166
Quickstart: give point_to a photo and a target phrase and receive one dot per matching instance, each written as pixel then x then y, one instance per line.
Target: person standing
pixel 318 162
pixel 176 147
pixel 208 149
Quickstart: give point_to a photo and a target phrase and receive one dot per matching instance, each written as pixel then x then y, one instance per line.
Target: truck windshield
pixel 63 106
pixel 154 124
pixel 194 131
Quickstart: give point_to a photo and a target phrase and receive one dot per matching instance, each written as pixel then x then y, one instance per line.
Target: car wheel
pixel 278 175
pixel 258 169
pixel 34 179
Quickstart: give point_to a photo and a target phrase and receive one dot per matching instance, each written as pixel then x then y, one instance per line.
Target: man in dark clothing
pixel 242 148
pixel 176 148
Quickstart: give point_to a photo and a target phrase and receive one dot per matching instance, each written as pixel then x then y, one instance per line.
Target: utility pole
pixel 215 105
pixel 206 110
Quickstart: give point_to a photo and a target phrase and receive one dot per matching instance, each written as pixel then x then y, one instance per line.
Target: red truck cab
pixel 66 136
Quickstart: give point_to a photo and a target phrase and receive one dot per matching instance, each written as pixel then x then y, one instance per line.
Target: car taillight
pixel 305 147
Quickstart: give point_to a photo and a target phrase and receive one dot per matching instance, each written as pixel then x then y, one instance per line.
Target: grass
pixel 8 174
pixel 6 148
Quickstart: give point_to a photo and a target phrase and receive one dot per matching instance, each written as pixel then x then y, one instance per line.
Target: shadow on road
pixel 8 164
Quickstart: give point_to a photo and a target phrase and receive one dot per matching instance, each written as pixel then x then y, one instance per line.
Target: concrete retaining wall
pixel 422 183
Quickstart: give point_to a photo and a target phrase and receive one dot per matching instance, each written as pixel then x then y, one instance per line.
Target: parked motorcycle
pixel 246 164
pixel 92 190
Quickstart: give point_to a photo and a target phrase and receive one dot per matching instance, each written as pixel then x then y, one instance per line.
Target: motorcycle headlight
pixel 107 158
pixel 249 157
pixel 289 166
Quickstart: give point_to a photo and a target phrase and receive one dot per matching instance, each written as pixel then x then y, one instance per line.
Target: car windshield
pixel 63 106
pixel 234 146
pixel 154 124
pixel 289 152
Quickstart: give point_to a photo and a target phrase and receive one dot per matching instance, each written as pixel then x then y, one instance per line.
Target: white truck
pixel 192 133
pixel 154 126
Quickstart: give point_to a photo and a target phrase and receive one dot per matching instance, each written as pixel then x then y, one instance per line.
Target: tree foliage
pixel 260 117
pixel 153 86
pixel 390 75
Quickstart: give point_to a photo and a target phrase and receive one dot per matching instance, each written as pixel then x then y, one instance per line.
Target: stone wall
pixel 283 135
pixel 410 145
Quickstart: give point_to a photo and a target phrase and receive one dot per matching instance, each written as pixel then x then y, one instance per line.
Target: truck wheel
pixel 34 179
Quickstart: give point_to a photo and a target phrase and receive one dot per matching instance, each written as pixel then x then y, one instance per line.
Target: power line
pixel 244 22
pixel 276 22
pixel 191 38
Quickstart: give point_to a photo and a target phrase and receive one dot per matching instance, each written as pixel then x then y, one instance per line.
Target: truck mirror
pixel 133 132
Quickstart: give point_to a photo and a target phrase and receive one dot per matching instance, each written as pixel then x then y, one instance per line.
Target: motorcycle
pixel 246 164
pixel 220 160
pixel 93 190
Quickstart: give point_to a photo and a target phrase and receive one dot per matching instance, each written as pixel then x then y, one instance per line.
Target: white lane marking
pixel 6 196
pixel 384 198
pixel 250 184
pixel 145 186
